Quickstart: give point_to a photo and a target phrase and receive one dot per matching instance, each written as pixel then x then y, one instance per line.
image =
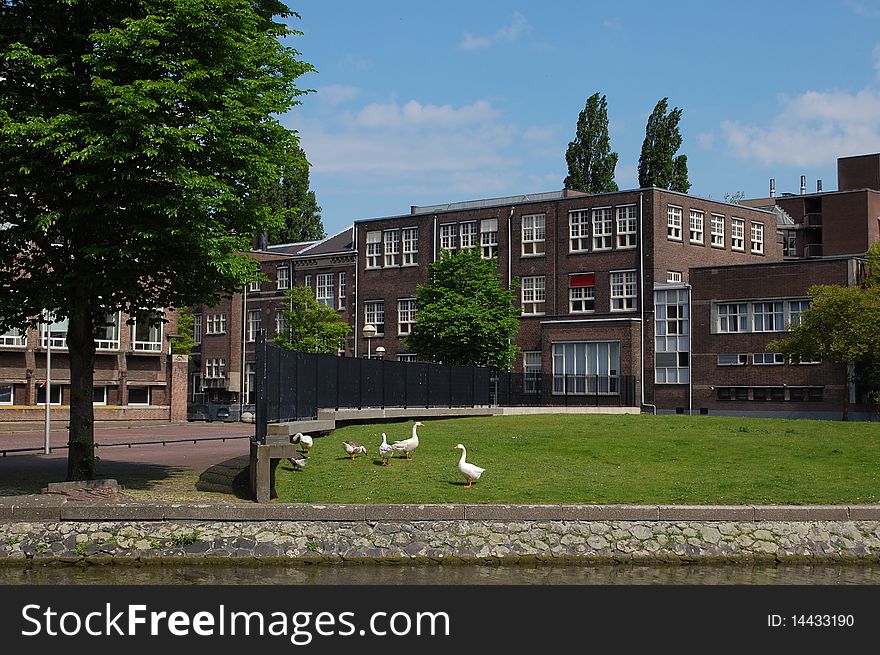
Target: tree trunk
pixel 81 347
pixel 846 393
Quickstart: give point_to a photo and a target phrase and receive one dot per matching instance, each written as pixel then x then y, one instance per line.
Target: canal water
pixel 172 573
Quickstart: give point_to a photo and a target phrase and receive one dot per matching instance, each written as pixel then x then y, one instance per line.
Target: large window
pixel 489 238
pixel 406 315
pixel 253 324
pixel 737 234
pixel 533 234
pixel 789 243
pixel 448 235
pixel 197 328
pixel 250 383
pixel 717 231
pixel 374 249
pixel 696 231
pixel 54 394
pixel 733 317
pixel 603 228
pixel 341 291
pixel 531 371
pixel 761 316
pixel 139 395
pixel 215 324
pixel 582 293
pixel 215 368
pixel 392 247
pixel 147 333
pixel 627 226
pixel 410 246
pixel 671 329
pixel 579 230
pixel 533 295
pixel 56 332
pixel 324 291
pixel 467 234
pixel 623 291
pixel 673 223
pixel 795 309
pixel 757 238
pixel 586 367
pixel 107 334
pixel 374 314
pixel 768 317
pixel 283 279
pixel 6 396
pixel 12 337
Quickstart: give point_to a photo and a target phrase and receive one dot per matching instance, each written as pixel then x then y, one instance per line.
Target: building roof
pixel 290 248
pixel 342 241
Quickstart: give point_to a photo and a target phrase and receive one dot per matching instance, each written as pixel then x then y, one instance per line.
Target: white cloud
pixel 336 94
pixel 414 113
pixel 706 139
pixel 513 31
pixel 812 129
pixel 869 8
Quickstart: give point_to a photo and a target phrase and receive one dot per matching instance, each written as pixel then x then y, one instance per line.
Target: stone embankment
pixel 74 531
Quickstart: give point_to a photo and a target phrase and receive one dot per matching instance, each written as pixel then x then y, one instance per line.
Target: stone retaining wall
pixel 438 533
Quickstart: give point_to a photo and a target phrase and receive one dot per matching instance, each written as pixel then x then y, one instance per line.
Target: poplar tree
pixel 658 164
pixel 590 161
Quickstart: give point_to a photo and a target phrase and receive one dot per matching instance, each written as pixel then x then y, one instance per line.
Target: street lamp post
pixel 380 351
pixel 369 332
pixel 48 428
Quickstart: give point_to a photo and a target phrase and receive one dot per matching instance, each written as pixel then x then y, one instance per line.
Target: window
pixel 795 309
pixel 717 231
pixel 758 238
pixel 147 333
pixel 283 278
pixel 139 395
pixel 280 325
pixel 725 393
pixel 579 230
pixel 586 367
pixel 531 371
pixel 627 226
pixel 777 394
pixel 107 334
pixel 324 292
pixel 374 249
pixel 737 234
pixel 410 246
pixel 814 393
pixel 766 359
pixel 696 226
pixel 671 329
pixel 308 282
pixel 489 237
pixel 733 317
pixel 342 291
pixel 215 324
pixel 99 395
pixel 673 277
pixel 533 234
pixel 767 317
pixel 797 394
pixel 582 292
pixel 673 223
pixel 533 295
pixel 197 328
pixel 467 234
pixel 406 357
pixel 12 337
pixel 448 233
pixel 6 396
pixel 406 315
pixel 253 324
pixel 735 359
pixel 254 286
pixel 215 368
pixel 392 247
pixel 250 383
pixel 789 243
pixel 374 314
pixel 602 229
pixel 57 333
pixel 623 291
pixel 54 394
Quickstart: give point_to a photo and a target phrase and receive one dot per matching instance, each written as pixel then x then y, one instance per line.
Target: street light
pixel 381 352
pixel 369 332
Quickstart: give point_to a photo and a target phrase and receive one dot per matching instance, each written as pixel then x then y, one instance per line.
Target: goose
pixel 353 448
pixel 470 471
pixel 407 446
pixel 298 462
pixel 385 450
pixel 305 441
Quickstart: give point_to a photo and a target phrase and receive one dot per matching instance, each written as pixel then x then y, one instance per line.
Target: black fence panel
pixel 439 379
pixel 417 384
pixel 349 383
pixel 306 385
pixel 394 384
pixel 327 381
pixel 371 383
pixel 461 386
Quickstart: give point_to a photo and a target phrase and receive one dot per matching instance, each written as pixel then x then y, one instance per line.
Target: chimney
pixel 803 184
pixel 772 188
pixel 818 186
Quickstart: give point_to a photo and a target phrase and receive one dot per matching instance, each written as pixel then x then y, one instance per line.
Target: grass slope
pixel 600 459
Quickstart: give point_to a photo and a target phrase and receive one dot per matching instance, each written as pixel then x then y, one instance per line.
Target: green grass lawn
pixel 599 459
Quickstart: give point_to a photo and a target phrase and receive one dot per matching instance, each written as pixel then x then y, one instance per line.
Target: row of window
pixel 482 234
pixel 144 336
pixel 763 316
pixel 136 395
pixel 392 248
pixel 758 359
pixel 696 225
pixel 581 293
pixel 374 314
pixel 776 394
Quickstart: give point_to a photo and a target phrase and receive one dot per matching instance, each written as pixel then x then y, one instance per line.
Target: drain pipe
pixel 690 324
pixel 642 304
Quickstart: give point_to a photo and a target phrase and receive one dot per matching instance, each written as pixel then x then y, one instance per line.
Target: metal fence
pixel 547 389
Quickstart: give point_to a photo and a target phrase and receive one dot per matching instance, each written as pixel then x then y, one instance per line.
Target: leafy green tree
pixel 310 326
pixel 185 340
pixel 658 164
pixel 465 316
pixel 133 136
pixel 590 161
pixel 840 326
pixel 297 206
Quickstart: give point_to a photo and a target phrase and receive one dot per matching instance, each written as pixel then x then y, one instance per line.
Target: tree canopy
pixel 658 164
pixel 133 137
pixel 464 314
pixel 590 161
pixel 291 198
pixel 309 326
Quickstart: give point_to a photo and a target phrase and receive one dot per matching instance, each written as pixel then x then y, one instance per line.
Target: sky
pixel 427 102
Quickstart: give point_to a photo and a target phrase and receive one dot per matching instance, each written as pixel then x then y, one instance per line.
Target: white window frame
pixel 103 401
pixel 534 232
pixel 254 320
pixel 740 317
pixel 373 310
pixel 197 328
pixel 627 227
pixel 672 362
pixel 673 222
pixel 533 295
pixel 757 238
pixel 55 390
pixel 532 367
pixel 603 228
pixel 717 238
pixel 673 277
pixel 215 368
pixel 307 282
pixel 374 249
pixel 282 278
pixel 140 386
pixel 468 234
pixel 489 238
pixel 582 300
pixel 57 335
pixel 579 230
pixel 13 337
pixel 741 359
pixel 215 324
pixel 391 247
pixel 406 357
pixel 448 236
pixel 341 300
pixel 324 292
pixel 4 390
pixel 624 291
pixel 153 343
pixel 768 316
pixel 795 309
pixel 254 286
pixel 112 343
pixel 768 359
pixel 406 316
pixel 697 219
pixel 280 326
pixel 410 240
pixel 738 234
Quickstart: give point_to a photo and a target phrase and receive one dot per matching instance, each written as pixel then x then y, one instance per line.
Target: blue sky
pixel 420 103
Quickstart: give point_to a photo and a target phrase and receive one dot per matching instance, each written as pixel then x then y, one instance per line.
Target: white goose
pixel 305 441
pixel 470 471
pixel 385 450
pixel 407 446
pixel 353 448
